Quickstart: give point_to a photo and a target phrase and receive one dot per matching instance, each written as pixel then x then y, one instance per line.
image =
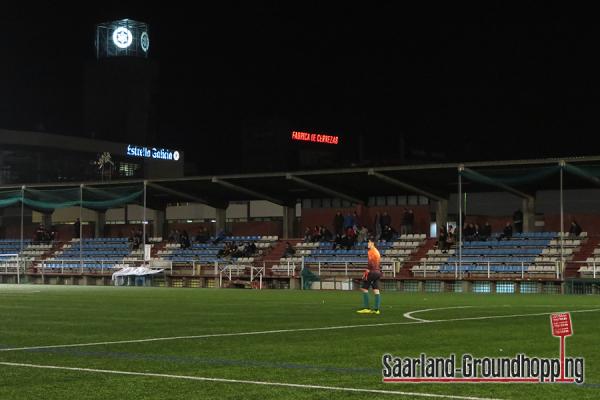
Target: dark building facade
pixel 34 157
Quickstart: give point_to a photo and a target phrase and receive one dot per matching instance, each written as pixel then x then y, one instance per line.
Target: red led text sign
pixel 315 137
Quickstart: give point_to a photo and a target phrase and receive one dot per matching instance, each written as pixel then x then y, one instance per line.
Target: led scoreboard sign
pixel 315 137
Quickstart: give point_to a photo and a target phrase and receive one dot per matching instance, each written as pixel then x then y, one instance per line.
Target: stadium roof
pixel 436 181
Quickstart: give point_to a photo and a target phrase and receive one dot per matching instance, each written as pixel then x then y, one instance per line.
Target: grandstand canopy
pixel 436 181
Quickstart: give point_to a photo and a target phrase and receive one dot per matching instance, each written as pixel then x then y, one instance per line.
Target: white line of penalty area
pixel 263 383
pixel 275 331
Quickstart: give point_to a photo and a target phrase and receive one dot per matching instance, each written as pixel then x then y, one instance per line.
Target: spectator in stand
pixel 135 239
pixel 411 220
pixel 388 233
pixel 316 234
pixel 450 236
pixel 476 230
pixel 251 249
pixel 507 232
pixel 289 250
pixel 338 223
pixel 326 234
pixel 518 221
pixel 174 236
pixel 442 242
pixel 338 242
pixel 307 235
pixel 348 221
pixel 76 228
pixel 377 226
pixel 53 233
pixel 385 220
pixel 356 221
pixel 363 234
pixel 184 240
pixel 575 229
pixel 469 232
pixel 404 223
pixel 39 234
pixel 203 235
pixel 486 231
pixel 350 238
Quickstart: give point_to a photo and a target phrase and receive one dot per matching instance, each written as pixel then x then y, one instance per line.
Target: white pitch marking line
pixel 409 314
pixel 263 383
pixel 325 328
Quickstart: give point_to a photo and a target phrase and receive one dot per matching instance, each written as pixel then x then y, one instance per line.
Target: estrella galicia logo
pixel 145 41
pixel 122 37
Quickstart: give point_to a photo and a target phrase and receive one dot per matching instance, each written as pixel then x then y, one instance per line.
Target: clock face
pixel 145 41
pixel 122 37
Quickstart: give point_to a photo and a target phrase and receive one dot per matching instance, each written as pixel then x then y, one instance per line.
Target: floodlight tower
pixel 120 84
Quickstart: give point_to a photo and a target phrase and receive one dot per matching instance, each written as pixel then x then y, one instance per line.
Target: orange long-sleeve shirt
pixel 374 260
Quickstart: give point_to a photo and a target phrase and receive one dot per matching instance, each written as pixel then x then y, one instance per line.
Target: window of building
pixel 128 169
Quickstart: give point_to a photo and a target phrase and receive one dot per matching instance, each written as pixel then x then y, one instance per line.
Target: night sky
pixel 461 84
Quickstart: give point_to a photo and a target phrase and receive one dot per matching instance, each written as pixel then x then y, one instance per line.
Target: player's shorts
pixel 372 281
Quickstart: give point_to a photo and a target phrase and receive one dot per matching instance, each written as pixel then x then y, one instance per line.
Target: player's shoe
pixel 377 312
pixel 364 311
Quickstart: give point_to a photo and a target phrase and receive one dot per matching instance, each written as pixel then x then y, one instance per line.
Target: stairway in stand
pixel 415 258
pixel 275 253
pixel 586 250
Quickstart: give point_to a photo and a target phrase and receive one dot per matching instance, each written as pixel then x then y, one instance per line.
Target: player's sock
pixel 366 299
pixel 377 301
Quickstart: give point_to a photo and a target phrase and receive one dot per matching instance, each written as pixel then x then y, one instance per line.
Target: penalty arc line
pixel 247 382
pixel 325 328
pixel 409 314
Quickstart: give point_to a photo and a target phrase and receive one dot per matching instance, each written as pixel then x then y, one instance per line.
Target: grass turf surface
pixel 349 358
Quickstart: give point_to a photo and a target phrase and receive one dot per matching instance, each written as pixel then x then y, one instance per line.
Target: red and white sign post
pixel 562 327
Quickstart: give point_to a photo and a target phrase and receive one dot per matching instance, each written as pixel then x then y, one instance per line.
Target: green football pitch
pixel 77 342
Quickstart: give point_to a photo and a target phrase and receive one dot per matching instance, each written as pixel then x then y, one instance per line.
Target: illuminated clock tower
pixel 121 84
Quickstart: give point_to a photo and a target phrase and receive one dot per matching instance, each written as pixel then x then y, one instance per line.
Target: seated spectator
pixel 575 229
pixel 53 233
pixel 338 242
pixel 363 234
pixel 316 234
pixel 384 220
pixel 184 240
pixel 450 236
pixel 507 232
pixel 486 231
pixel 326 234
pixel 307 235
pixel 174 236
pixel 350 238
pixel 240 250
pixel 203 235
pixel 289 250
pixel 469 232
pixel 387 233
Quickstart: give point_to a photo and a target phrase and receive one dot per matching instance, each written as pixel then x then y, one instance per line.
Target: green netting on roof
pixel 520 178
pixel 93 198
pixel 584 172
pixel 10 198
